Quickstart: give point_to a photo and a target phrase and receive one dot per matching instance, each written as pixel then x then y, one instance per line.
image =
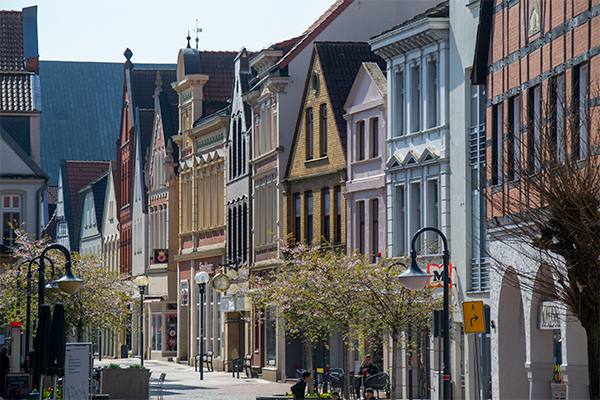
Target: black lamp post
pixel 68 283
pixel 141 282
pixel 201 279
pixel 415 279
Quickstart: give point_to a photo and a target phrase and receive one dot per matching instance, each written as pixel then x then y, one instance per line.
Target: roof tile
pixel 11 41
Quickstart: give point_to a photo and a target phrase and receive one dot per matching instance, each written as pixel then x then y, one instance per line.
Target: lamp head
pixel 69 283
pixel 414 278
pixel 201 277
pixel 141 281
pixel 51 287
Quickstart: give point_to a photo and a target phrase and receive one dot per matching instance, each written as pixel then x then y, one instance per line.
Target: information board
pixel 78 371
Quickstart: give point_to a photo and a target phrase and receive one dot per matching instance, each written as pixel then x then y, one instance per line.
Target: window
pixel 297 213
pixel 309 134
pixel 497 134
pixel 361 140
pixel 219 323
pixel 375 229
pixel 581 111
pixel 338 212
pixel 561 116
pixel 415 99
pixel 433 205
pixel 415 211
pixel 326 215
pixel 375 137
pixel 533 128
pixel 245 233
pixel 399 105
pixel 233 153
pixel 432 90
pixel 323 129
pixel 11 218
pixel 361 226
pixel 156 331
pixel 400 225
pixel 309 217
pixel 514 138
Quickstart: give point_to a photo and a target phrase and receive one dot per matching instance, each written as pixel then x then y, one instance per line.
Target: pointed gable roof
pixel 77 174
pixel 373 71
pixel 340 62
pixel 313 31
pixel 98 189
pixel 36 172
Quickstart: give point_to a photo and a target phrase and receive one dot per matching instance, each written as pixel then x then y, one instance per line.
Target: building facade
pixel 91 209
pixel 204 85
pixel 538 61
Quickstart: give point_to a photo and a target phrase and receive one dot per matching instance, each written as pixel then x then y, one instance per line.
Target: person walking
pixel 300 387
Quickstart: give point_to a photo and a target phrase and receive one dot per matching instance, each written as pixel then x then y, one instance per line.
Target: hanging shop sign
pixel 551 314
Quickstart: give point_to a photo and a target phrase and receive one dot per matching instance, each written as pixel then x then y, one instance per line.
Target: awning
pixel 153 300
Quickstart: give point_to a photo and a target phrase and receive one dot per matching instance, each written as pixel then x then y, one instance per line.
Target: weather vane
pixel 197 30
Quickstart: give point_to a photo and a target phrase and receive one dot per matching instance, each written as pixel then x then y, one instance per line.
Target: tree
pixel 394 309
pixel 103 302
pixel 548 198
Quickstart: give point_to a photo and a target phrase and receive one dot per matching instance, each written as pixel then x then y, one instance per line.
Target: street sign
pixel 473 316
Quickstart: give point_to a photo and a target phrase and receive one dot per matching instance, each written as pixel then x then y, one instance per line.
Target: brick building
pixel 530 54
pixel 315 180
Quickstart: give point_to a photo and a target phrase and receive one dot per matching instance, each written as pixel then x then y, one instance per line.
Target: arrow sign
pixel 473 316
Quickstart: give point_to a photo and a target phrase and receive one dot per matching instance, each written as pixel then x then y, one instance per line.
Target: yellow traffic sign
pixel 474 318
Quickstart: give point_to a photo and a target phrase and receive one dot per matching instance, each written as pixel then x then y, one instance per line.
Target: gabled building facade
pixel 110 223
pixel 365 194
pixel 72 177
pixel 204 85
pixel 315 211
pixel 91 210
pixel 22 181
pixel 163 222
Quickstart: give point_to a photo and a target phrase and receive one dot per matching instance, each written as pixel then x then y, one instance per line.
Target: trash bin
pixel 124 351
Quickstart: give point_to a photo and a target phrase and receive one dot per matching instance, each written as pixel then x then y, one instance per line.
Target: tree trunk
pixel 393 363
pixel 309 362
pixel 79 330
pixel 593 351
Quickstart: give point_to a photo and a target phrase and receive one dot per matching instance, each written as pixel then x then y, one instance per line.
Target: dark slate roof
pixel 340 62
pixel 146 127
pixel 144 84
pixel 18 127
pixel 169 113
pixel 81 100
pixel 16 91
pixel 219 67
pixel 442 10
pixel 11 41
pixel 77 174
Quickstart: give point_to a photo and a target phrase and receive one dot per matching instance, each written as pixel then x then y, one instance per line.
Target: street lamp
pixel 201 279
pixel 141 282
pixel 415 279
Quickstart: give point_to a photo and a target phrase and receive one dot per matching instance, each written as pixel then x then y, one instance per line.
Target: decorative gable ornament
pixel 534 19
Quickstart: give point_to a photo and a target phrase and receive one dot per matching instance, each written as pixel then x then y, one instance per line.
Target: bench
pixel 243 363
pixel 206 359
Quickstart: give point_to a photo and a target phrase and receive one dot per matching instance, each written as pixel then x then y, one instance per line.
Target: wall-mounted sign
pixel 437 272
pixel 184 292
pixel 551 314
pixel 161 256
pixel 235 303
pixel 473 316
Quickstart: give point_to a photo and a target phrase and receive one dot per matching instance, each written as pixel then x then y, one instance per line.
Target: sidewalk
pixel 182 382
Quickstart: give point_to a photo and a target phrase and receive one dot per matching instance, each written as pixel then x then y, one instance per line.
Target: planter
pixel 125 383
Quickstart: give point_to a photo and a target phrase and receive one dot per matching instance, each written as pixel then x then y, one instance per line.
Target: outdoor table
pixel 360 379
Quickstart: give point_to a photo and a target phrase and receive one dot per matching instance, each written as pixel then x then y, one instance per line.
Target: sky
pixel 155 30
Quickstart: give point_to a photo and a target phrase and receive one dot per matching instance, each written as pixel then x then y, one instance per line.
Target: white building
pixel 91 210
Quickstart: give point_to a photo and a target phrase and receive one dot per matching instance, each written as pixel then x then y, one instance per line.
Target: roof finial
pixel 158 82
pixel 197 30
pixel 188 39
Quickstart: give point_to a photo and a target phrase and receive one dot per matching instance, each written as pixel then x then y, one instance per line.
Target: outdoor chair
pixel 208 360
pixel 243 363
pixel 377 382
pixel 336 381
pixel 157 384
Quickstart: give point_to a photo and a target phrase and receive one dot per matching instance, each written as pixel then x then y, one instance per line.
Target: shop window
pixel 157 330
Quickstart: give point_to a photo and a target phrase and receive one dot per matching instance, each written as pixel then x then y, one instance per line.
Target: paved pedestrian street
pixel 182 382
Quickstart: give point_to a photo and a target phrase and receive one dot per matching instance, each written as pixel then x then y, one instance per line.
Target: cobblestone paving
pixel 182 382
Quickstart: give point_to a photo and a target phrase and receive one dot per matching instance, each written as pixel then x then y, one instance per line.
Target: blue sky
pixel 101 30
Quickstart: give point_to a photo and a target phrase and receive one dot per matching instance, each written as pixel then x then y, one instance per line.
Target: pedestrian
pixel 370 394
pixel 4 368
pixel 367 368
pixel 335 396
pixel 300 387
